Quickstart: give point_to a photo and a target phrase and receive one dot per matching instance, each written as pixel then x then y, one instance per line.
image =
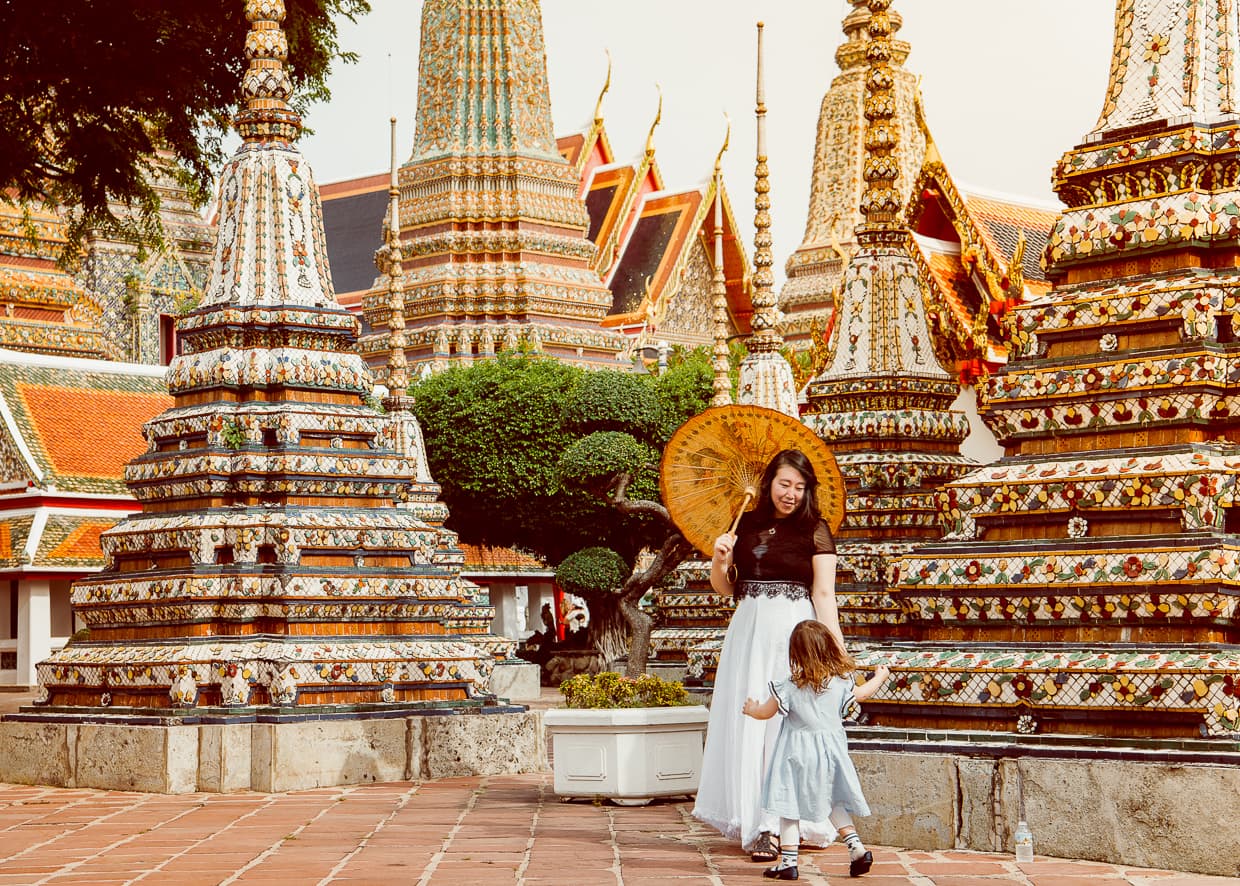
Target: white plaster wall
pixel 980 445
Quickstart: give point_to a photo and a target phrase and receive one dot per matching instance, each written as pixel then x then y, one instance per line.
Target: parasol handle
pixel 749 496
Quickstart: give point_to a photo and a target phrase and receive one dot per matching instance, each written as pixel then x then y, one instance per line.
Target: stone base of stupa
pixel 516 680
pixel 260 750
pixel 1146 803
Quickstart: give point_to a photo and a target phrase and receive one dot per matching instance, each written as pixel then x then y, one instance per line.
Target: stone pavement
pixel 496 830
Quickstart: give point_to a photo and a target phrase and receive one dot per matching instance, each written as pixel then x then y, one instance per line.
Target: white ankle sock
pixel 856 848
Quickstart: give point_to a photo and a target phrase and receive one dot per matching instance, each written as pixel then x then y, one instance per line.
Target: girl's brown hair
pixel 816 656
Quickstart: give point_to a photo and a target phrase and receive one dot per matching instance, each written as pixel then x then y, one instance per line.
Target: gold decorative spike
pixel 719 292
pixel 658 117
pixel 598 105
pixel 397 369
pixel 766 337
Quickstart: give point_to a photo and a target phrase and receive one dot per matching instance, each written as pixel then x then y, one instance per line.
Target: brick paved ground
pixel 499 830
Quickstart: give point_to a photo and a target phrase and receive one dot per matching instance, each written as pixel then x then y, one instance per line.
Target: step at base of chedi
pixel 1089 580
pixel 281 573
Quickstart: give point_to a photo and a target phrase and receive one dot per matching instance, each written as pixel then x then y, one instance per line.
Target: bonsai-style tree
pixel 626 421
pixel 551 458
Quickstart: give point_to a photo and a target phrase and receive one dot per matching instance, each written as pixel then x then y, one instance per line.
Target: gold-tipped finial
pixel 720 362
pixel 766 337
pixel 598 105
pixel 658 117
pixel 727 139
pixel 881 203
pixel 266 87
pixel 397 367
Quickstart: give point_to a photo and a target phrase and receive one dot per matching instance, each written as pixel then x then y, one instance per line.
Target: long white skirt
pixel 735 760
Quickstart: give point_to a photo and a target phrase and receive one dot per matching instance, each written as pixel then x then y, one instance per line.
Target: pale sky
pixel 1009 85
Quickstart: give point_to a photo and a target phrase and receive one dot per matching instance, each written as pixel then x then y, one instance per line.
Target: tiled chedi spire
pixel 884 403
pixel 492 228
pixel 815 269
pixel 1104 542
pixel 765 376
pixel 271 563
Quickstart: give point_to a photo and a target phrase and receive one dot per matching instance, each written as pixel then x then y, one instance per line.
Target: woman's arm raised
pixel 721 563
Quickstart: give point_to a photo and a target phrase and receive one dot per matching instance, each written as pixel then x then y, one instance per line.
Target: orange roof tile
pixel 495 559
pixel 82 543
pixel 115 436
pixel 1002 221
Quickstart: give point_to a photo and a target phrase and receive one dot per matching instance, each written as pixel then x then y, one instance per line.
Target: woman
pixel 780 567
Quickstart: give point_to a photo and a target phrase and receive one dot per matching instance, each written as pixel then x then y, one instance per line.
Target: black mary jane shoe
pixel 764 848
pixel 861 864
pixel 781 873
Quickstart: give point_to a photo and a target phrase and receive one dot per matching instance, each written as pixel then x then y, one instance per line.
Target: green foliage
pixel 591 571
pixel 494 434
pixel 593 461
pixel 92 91
pixel 609 400
pixel 232 434
pixel 683 391
pixel 611 690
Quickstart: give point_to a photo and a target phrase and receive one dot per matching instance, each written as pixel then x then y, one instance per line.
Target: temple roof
pixel 44 309
pixel 486 560
pixel 72 425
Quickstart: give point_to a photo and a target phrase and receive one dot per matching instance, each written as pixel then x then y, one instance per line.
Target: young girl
pixel 811 777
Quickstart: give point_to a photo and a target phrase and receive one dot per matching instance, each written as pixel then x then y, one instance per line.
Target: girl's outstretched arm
pixel 870 686
pixel 763 711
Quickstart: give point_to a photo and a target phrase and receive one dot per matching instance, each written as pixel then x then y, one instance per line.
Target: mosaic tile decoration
pixel 284 550
pixel 1194 682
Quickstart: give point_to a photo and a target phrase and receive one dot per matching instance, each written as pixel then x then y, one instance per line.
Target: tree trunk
pixel 608 631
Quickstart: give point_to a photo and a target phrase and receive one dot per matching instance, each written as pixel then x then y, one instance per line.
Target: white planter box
pixel 627 753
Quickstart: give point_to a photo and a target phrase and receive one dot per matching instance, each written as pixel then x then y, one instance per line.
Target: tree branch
pixel 619 497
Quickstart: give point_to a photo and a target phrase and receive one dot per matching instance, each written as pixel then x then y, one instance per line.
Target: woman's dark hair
pixel 807 514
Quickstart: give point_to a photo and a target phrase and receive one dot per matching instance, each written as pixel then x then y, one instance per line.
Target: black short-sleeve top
pixel 779 550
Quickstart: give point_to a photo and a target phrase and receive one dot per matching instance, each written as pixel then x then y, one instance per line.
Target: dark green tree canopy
pixel 91 90
pixel 591 571
pixel 494 434
pixel 497 431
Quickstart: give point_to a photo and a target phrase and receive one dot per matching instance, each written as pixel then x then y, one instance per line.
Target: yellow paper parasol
pixel 712 469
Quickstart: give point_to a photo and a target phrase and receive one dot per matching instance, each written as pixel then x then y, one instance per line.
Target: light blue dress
pixel 810 770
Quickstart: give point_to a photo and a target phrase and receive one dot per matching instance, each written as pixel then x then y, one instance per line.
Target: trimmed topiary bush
pixel 611 690
pixel 608 400
pixel 591 571
pixel 594 461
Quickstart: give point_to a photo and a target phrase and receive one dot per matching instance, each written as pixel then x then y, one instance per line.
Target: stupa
pixel 817 267
pixel 884 402
pixel 272 576
pixel 1088 581
pixel 493 229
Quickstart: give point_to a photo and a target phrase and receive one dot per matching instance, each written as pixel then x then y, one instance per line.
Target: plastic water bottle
pixel 1024 843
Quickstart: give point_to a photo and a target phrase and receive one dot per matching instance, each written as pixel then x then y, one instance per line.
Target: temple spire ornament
pixel 1174 63
pixel 266 86
pixel 766 377
pixel 397 369
pixel 720 362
